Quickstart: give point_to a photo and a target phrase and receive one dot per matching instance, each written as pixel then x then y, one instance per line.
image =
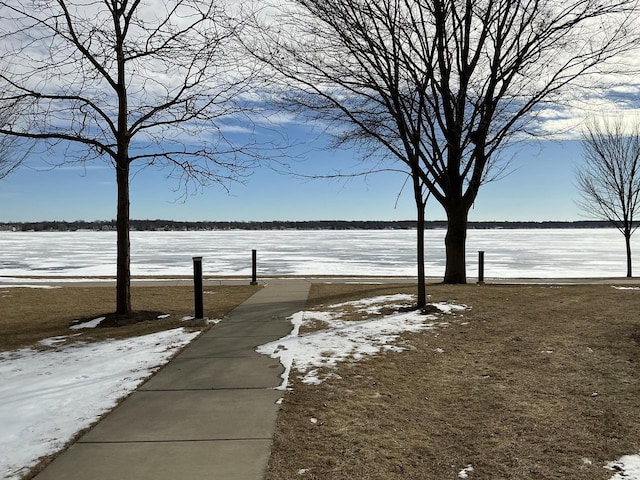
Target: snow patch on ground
pixel 91 324
pixel 464 473
pixel 626 468
pixel 344 340
pixel 375 304
pixel 48 396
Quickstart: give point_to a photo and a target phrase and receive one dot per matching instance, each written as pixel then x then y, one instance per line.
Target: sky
pixel 540 186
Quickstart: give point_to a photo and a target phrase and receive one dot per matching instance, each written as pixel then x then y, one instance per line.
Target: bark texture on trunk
pixel 627 240
pixel 123 277
pixel 422 289
pixel 421 205
pixel 455 245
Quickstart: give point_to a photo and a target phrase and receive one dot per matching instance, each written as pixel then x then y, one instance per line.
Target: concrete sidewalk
pixel 210 413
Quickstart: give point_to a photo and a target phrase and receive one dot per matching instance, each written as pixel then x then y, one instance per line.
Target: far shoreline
pixel 177 225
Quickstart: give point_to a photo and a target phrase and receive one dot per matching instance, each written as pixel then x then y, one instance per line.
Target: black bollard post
pixel 254 268
pixel 480 266
pixel 197 287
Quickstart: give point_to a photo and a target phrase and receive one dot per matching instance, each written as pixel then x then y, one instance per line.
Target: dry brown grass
pixel 30 315
pixel 534 382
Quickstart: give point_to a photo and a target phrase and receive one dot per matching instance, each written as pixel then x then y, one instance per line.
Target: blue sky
pixel 541 186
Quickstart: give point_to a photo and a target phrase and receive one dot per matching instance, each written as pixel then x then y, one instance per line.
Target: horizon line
pixel 158 220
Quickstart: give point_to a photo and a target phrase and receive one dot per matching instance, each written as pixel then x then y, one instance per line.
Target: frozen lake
pixel 535 253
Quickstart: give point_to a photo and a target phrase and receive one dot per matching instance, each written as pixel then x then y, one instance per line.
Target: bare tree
pixel 440 86
pixel 12 150
pixel 138 82
pixel 609 177
pixel 8 162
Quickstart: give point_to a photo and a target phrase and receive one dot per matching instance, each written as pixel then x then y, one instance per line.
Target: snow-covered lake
pixel 535 253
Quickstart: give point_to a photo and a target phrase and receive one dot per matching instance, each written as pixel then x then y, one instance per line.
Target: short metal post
pixel 197 287
pixel 480 266
pixel 254 268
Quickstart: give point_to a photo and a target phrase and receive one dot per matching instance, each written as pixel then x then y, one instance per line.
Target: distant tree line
pixel 172 225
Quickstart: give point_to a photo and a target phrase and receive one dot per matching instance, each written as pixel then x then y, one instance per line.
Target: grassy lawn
pixel 30 315
pixel 530 382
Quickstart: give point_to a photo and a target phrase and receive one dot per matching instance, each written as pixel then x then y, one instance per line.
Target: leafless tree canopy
pixel 165 77
pixel 12 150
pixel 441 85
pixel 7 165
pixel 8 159
pixel 609 177
pixel 133 81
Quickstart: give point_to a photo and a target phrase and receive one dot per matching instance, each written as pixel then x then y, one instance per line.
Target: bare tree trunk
pixel 627 240
pixel 422 289
pixel 421 205
pixel 455 244
pixel 123 279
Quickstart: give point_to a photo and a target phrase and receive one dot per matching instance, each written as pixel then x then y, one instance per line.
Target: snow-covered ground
pixel 313 355
pixel 626 468
pixel 49 395
pixel 347 340
pixel 536 253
